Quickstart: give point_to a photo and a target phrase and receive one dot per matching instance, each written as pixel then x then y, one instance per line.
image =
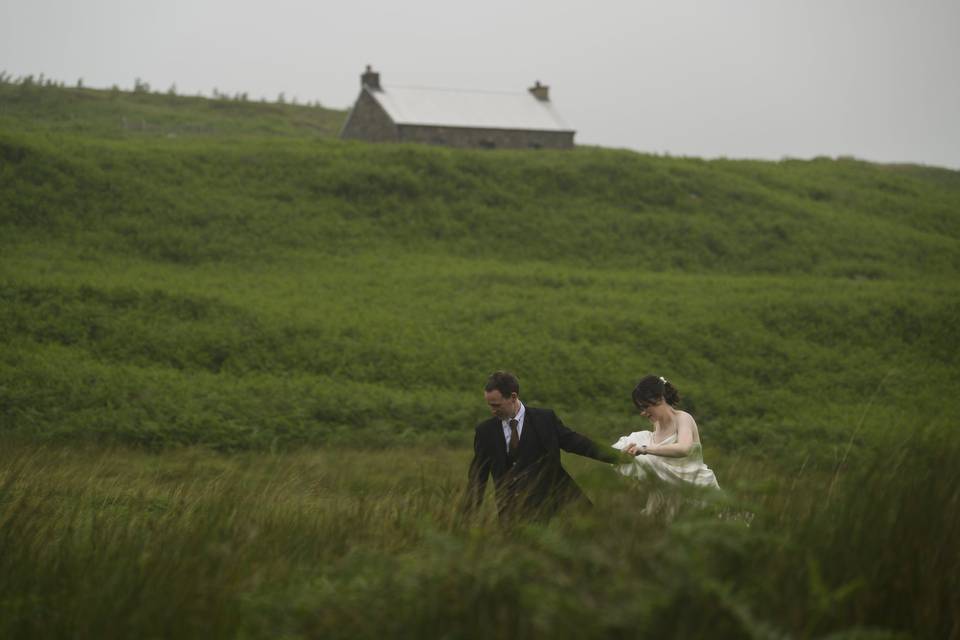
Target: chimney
pixel 540 91
pixel 371 79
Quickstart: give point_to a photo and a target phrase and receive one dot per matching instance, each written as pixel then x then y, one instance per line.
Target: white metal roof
pixel 473 109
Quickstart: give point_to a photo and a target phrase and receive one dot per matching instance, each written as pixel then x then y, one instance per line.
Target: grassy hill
pixel 252 281
pixel 319 317
pixel 131 115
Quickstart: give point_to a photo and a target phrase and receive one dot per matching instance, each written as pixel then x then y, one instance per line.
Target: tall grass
pixel 119 544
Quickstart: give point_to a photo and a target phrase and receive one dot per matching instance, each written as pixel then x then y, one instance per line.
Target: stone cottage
pixel 455 118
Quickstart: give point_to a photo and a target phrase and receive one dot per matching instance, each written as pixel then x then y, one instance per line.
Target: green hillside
pixel 249 281
pixel 241 362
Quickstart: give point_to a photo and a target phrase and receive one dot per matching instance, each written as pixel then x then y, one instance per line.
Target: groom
pixel 521 446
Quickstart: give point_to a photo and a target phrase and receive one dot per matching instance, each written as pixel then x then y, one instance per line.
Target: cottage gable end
pixel 369 121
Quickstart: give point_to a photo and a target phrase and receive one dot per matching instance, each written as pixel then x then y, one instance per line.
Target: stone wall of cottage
pixel 368 121
pixel 486 138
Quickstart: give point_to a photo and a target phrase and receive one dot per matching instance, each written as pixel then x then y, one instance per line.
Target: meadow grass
pixel 342 543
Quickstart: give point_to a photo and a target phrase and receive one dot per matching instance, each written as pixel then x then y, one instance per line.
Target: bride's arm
pixel 681 448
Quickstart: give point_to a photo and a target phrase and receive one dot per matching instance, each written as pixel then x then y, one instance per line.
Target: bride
pixel 671 453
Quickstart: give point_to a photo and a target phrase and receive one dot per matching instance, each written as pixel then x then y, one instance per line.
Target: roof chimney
pixel 540 91
pixel 370 79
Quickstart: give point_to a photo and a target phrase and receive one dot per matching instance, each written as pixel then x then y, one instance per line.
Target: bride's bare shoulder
pixel 688 421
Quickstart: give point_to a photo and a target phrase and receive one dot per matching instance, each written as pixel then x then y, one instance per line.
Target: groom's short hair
pixel 504 382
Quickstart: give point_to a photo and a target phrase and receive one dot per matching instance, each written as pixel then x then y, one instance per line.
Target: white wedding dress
pixel 688 470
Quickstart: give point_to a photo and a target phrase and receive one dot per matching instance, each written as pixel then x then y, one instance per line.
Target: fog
pixel 741 78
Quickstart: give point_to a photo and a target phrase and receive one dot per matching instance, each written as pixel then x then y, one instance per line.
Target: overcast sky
pixel 875 79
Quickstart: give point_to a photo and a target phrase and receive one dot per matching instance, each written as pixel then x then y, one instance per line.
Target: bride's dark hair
pixel 651 389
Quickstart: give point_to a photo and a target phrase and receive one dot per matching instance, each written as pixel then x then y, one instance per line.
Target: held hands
pixel 636 450
pixel 627 455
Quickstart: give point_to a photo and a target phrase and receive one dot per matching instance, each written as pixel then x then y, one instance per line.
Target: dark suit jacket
pixel 534 484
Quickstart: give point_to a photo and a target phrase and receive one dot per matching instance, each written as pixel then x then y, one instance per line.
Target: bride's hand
pixel 632 449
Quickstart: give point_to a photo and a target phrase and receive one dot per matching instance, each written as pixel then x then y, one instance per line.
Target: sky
pixel 873 79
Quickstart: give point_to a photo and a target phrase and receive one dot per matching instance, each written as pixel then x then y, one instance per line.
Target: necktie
pixel 514 436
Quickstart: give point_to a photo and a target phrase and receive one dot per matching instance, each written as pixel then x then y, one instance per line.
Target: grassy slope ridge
pixel 122 115
pixel 227 273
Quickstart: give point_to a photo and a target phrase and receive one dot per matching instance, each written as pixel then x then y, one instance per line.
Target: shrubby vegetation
pixel 251 289
pixel 225 275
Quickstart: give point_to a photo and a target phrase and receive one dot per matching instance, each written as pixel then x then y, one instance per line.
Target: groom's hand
pixel 625 457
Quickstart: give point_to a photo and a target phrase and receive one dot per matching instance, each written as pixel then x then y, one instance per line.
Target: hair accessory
pixel 663 380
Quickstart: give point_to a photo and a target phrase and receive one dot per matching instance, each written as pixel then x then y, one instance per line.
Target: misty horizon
pixel 748 79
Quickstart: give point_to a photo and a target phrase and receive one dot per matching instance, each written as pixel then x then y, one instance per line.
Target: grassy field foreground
pixel 341 544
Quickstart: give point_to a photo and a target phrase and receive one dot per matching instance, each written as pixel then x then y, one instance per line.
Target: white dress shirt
pixel 506 425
